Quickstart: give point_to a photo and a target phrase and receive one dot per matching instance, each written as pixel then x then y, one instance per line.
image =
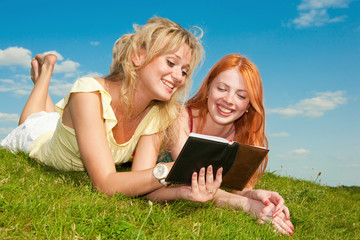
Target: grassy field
pixel 37 202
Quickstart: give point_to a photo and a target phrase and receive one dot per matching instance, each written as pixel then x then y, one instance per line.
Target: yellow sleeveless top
pixel 59 148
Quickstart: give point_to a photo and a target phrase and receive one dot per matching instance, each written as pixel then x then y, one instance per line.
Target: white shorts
pixel 34 126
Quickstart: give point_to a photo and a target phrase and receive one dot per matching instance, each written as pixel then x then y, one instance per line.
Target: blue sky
pixel 307 51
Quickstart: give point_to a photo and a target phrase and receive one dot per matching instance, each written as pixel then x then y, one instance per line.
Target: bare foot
pixel 46 62
pixel 34 70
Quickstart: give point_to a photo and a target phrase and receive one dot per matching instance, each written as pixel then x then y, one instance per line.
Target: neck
pixel 213 129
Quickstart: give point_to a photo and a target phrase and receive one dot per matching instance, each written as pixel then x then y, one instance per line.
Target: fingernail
pixel 267 202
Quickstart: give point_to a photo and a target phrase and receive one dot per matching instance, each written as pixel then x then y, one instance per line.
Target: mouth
pixel 224 110
pixel 168 84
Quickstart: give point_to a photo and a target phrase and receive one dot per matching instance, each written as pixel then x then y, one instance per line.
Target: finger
pixel 209 179
pixel 277 228
pixel 277 211
pixel 286 212
pixel 194 183
pixel 278 201
pixel 202 179
pixel 266 202
pixel 218 178
pixel 286 220
pixel 283 223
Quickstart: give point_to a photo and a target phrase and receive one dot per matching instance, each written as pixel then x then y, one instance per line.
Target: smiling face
pixel 165 74
pixel 227 97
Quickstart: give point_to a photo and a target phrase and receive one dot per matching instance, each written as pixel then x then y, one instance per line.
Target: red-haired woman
pixel 229 104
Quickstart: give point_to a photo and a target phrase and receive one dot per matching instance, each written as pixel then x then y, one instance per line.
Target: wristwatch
pixel 160 172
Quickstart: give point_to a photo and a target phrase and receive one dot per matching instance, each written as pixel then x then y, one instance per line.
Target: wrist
pixel 160 172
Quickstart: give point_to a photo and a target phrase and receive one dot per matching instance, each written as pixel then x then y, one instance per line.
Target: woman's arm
pixel 267 197
pixel 255 208
pixel 86 118
pixel 147 151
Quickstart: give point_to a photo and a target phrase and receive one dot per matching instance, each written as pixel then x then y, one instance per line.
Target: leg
pixel 35 69
pixel 42 69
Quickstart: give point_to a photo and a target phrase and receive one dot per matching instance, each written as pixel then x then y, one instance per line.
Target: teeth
pixel 225 110
pixel 168 84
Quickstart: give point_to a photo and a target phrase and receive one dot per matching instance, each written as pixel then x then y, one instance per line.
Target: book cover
pixel 239 161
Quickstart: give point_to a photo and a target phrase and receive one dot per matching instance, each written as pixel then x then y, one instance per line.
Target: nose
pixel 177 75
pixel 229 98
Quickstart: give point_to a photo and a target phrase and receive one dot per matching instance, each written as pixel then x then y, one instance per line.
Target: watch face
pixel 160 171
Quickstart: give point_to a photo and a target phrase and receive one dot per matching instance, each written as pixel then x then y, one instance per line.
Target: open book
pixel 239 161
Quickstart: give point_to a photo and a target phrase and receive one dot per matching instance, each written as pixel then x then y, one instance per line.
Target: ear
pixel 138 57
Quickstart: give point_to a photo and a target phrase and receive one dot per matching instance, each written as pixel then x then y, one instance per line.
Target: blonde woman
pixel 101 121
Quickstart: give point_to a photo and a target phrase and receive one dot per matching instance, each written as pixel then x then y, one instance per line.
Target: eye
pixel 184 73
pixel 170 63
pixel 241 96
pixel 222 89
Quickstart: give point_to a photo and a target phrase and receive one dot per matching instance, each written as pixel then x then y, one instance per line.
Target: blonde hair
pixel 157 37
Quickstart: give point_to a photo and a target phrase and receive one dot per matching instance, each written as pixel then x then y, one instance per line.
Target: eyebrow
pixel 178 57
pixel 241 90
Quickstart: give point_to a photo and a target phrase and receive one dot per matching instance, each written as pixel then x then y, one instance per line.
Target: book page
pixel 208 137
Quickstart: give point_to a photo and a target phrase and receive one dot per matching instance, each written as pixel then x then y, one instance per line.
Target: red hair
pixel 250 128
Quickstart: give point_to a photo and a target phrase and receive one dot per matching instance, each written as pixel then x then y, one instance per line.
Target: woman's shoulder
pixel 85 84
pixel 182 122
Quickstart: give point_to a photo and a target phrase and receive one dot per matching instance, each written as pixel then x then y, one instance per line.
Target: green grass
pixel 37 202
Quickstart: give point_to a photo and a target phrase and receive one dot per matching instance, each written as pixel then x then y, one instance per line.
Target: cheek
pixel 242 106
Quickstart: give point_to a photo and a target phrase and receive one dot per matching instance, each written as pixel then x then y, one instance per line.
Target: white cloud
pixel 59 88
pixel 314 12
pixel 316 18
pixel 17 56
pixel 313 107
pixel 94 43
pixel 9 117
pixel 21 88
pixel 318 4
pixel 280 134
pixel 300 151
pixel 16 87
pixel 66 66
pixel 296 154
pixel 93 74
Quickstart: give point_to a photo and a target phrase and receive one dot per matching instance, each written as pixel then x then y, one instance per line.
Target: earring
pixel 247 111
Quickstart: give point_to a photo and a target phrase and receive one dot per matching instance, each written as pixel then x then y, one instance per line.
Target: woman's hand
pixel 265 213
pixel 202 189
pixel 267 198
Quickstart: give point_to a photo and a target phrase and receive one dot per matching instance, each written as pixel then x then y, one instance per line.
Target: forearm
pixel 245 192
pixel 131 184
pixel 233 201
pixel 164 194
